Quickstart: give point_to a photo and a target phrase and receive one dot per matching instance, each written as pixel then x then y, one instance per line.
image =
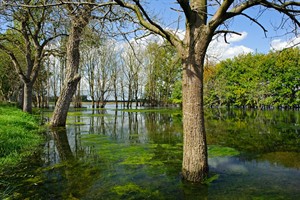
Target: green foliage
pixel 9 80
pixel 163 73
pixel 18 136
pixel 256 80
pixel 177 93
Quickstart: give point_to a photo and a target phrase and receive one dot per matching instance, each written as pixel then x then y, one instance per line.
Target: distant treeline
pixel 255 81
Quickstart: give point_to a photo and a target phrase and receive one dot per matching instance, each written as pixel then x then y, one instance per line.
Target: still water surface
pixel 121 154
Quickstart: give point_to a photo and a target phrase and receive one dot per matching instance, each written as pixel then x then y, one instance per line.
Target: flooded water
pixel 121 154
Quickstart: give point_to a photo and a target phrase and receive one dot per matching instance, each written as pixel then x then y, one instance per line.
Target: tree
pixel 132 71
pixel 80 16
pixel 256 81
pixel 163 70
pixel 106 60
pixel 29 35
pixel 9 80
pixel 201 26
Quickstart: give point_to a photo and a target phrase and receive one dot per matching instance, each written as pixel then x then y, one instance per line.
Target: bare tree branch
pixel 226 32
pixel 184 4
pixel 149 24
pixel 256 22
pixel 42 5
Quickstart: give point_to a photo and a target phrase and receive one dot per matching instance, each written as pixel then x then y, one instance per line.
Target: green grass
pixel 19 136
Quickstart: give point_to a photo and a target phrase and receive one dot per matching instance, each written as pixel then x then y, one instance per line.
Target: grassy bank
pixel 19 136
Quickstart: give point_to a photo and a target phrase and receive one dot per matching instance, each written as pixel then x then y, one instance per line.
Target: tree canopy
pixel 256 81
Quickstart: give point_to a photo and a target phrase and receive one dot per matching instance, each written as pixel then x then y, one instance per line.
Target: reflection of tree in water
pixel 164 128
pixel 97 121
pixel 62 144
pixel 253 130
pixel 70 178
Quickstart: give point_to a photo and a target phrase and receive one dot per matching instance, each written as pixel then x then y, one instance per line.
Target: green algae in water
pixel 211 179
pixel 139 170
pixel 133 191
pixel 125 154
pixel 74 123
pixel 127 166
pixel 219 151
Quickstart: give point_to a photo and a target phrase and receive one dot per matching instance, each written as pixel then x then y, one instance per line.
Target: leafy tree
pixel 9 82
pixel 30 33
pixel 204 19
pixel 256 81
pixel 285 84
pixel 163 71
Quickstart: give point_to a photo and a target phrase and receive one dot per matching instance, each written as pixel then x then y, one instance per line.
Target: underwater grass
pixel 220 151
pixel 18 136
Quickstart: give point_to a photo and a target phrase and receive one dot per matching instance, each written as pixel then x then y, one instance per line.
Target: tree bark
pixel 72 78
pixel 27 102
pixel 195 164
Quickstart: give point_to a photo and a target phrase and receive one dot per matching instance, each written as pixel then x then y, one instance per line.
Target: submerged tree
pixel 202 24
pixel 80 16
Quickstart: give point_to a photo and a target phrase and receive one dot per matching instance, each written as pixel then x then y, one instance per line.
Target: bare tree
pixel 89 66
pixel 105 66
pixel 202 24
pixel 131 68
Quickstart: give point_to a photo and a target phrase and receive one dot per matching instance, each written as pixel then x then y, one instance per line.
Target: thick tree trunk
pixel 27 102
pixel 195 165
pixel 59 116
pixel 72 78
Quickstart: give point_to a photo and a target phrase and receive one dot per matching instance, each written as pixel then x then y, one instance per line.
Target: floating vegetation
pixel 211 179
pixel 133 191
pixel 137 154
pixel 219 151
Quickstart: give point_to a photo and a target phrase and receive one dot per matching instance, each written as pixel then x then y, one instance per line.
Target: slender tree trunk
pixel 115 92
pixel 77 99
pixel 21 96
pixel 93 101
pixel 27 101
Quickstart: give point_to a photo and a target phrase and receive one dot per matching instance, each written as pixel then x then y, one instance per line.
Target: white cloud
pixel 237 38
pixel 220 50
pixel 279 44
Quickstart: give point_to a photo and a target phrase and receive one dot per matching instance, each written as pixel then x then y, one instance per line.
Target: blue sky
pixel 252 40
